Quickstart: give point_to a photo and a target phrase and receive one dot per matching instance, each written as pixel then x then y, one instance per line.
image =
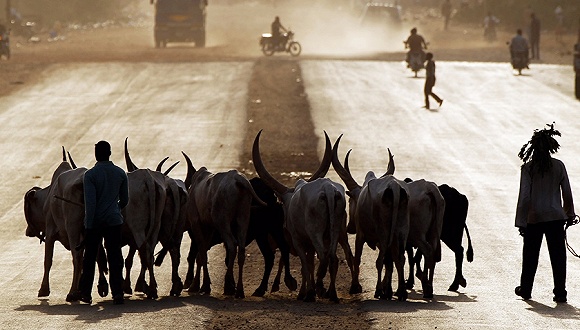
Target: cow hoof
pixel 387 295
pixel 310 296
pixel 275 286
pixel 260 292
pixel 73 296
pixel 301 296
pixel 43 292
pixel 141 286
pixel 103 288
pixel 127 287
pixel 332 296
pixel 402 295
pixel 453 287
pixel 355 288
pixel 205 290
pixel 320 290
pixel 176 289
pixel 378 294
pixel 188 281
pixel 428 292
pixel 409 285
pixel 463 282
pixel 291 283
pixel 240 294
pixel 152 294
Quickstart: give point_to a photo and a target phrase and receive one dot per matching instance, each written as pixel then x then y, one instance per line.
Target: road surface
pixel 470 143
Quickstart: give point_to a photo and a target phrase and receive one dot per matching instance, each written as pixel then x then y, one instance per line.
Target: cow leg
pixel 355 286
pixel 152 288
pixel 417 262
pixel 229 282
pixel 241 259
pixel 411 278
pixel 332 295
pixel 77 257
pixel 202 264
pixel 177 284
pixel 141 284
pixel 128 265
pixel 350 262
pixel 191 262
pixel 276 284
pixel 284 248
pixel 379 290
pixel 400 266
pixel 427 275
pixel 388 279
pixel 322 268
pixel 459 279
pixel 268 255
pixel 48 253
pixel 310 286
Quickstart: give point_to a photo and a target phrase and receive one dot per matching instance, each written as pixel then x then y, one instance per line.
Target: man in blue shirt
pixel 106 193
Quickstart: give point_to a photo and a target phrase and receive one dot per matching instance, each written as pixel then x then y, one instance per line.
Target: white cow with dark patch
pixel 379 210
pixel 315 218
pixel 56 213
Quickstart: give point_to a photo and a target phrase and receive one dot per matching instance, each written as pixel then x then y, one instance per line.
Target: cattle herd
pixel 308 220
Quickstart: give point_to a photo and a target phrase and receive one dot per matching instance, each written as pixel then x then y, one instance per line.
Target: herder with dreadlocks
pixel 544 185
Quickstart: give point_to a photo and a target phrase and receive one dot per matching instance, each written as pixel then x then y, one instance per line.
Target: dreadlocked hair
pixel 539 148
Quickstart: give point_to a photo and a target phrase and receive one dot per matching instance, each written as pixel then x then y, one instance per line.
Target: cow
pixel 380 217
pixel 454 222
pixel 315 219
pixel 266 228
pixel 427 207
pixel 173 222
pixel 51 216
pixel 220 203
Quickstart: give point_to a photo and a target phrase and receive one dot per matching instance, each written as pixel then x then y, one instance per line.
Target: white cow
pixel 379 210
pixel 315 218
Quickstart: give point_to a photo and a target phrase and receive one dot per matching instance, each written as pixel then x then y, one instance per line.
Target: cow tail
pixel 152 212
pixel 330 196
pixel 434 215
pixel 395 196
pixel 469 252
pixel 244 183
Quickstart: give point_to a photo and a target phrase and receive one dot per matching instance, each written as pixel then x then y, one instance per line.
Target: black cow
pixel 265 222
pixel 454 221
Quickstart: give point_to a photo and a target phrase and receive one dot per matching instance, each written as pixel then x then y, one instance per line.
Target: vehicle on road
pixel 520 61
pixel 5 46
pixel 179 21
pixel 285 45
pixel 416 61
pixel 381 16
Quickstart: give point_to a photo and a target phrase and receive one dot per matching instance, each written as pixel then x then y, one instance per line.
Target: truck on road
pixel 179 21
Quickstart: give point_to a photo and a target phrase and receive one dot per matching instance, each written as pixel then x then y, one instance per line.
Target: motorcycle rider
pixel 277 29
pixel 416 44
pixel 519 47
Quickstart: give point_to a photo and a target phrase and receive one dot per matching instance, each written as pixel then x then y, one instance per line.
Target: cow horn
pixel 72 162
pixel 63 154
pixel 261 170
pixel 326 161
pixel 346 161
pixel 341 171
pixel 190 171
pixel 391 166
pixel 130 166
pixel 160 165
pixel 170 168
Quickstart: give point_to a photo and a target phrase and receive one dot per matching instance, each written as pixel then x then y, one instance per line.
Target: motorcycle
pixel 5 46
pixel 520 61
pixel 415 60
pixel 285 44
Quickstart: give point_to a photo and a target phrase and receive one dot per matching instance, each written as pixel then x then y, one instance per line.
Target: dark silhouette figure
pixel 535 36
pixel 446 9
pixel 277 30
pixel 544 185
pixel 106 193
pixel 430 81
pixel 416 43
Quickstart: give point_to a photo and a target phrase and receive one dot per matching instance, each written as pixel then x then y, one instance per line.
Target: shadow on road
pixel 560 311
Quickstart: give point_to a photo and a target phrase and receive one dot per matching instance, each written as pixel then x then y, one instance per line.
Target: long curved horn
pixel 160 165
pixel 190 171
pixel 341 171
pixel 261 170
pixel 170 168
pixel 391 166
pixel 346 160
pixel 130 166
pixel 326 161
pixel 72 162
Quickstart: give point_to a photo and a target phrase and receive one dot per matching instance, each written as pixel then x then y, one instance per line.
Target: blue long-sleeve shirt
pixel 106 193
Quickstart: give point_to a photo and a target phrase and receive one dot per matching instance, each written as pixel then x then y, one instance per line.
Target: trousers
pixel 429 83
pixel 93 239
pixel 556 241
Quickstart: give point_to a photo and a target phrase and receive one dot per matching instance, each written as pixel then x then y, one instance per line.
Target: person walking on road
pixel 106 194
pixel 545 206
pixel 535 36
pixel 430 81
pixel 446 9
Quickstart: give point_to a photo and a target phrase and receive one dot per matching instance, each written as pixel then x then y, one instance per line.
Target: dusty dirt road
pixel 110 84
